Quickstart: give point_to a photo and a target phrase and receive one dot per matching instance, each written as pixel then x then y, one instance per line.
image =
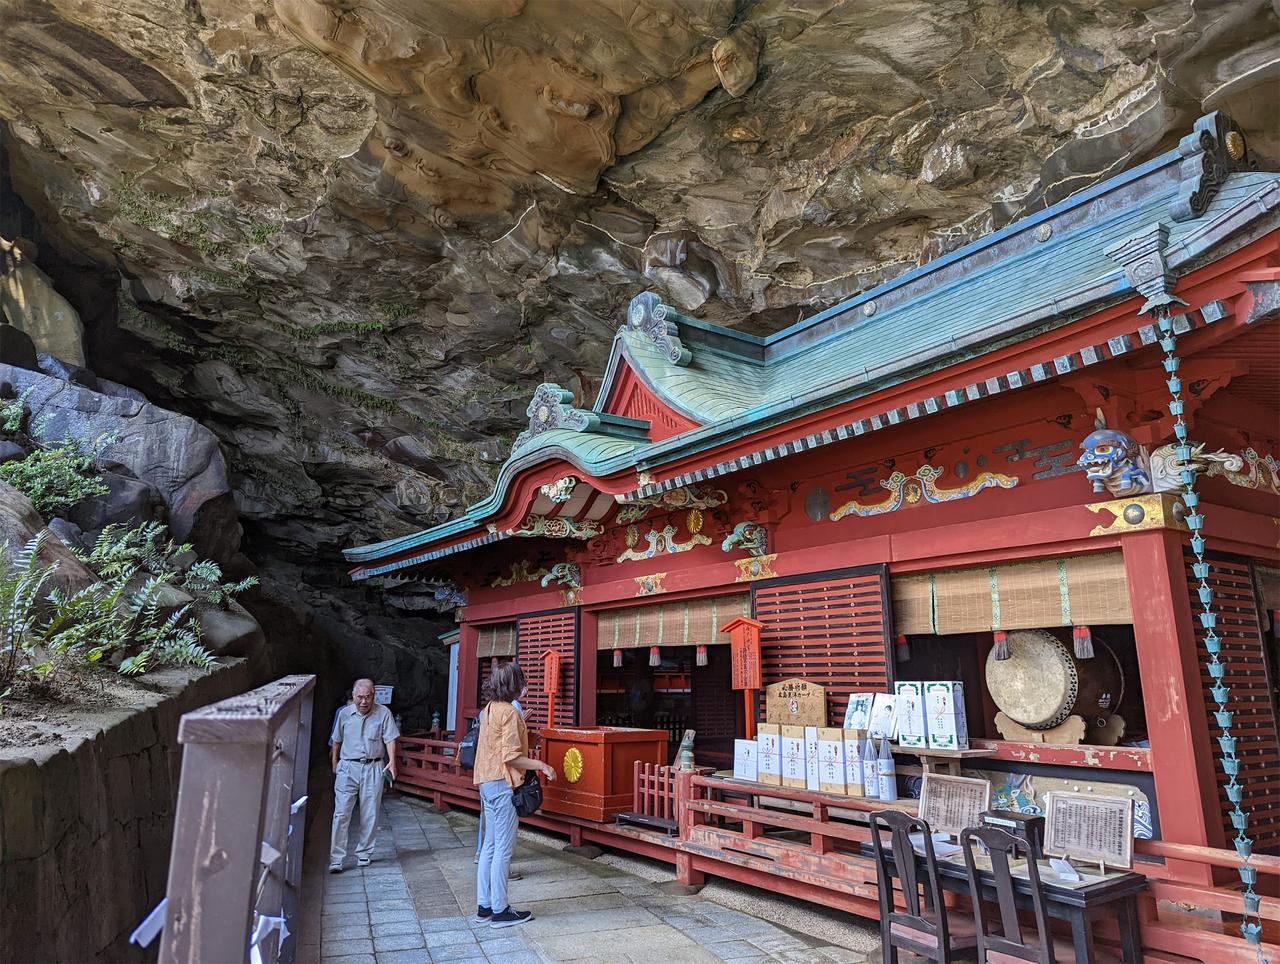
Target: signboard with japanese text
pixel 951 804
pixel 744 653
pixel 795 702
pixel 1089 828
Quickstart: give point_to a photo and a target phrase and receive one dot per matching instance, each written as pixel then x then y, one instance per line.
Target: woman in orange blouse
pixel 502 757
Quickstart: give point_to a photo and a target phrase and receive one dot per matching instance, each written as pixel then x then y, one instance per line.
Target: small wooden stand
pixel 944 761
pixel 1071 732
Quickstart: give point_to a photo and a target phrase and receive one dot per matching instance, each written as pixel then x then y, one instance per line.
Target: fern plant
pixel 13 412
pixel 121 550
pixel 56 477
pixel 204 580
pixel 19 594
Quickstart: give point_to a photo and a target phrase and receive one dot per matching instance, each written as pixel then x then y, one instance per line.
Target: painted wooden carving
pixel 664 542
pixel 1115 463
pixel 551 407
pixel 560 490
pixel 520 572
pixel 909 490
pixel 557 527
pixel 672 500
pixel 751 537
pixel 565 574
pixel 650 585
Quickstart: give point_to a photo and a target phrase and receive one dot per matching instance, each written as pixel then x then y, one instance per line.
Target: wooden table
pixel 1114 895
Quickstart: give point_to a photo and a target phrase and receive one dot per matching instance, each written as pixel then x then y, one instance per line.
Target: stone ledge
pixel 85 826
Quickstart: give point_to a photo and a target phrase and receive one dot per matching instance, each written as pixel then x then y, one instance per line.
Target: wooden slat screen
pixel 1252 698
pixel 498 639
pixel 690 622
pixel 831 629
pixel 1076 591
pixel 535 635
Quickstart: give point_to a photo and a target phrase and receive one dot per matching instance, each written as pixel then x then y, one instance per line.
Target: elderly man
pixel 362 746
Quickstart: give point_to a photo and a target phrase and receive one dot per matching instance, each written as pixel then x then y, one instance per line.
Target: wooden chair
pixel 924 929
pixel 1010 945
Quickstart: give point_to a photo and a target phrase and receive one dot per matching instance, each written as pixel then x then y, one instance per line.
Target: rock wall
pixel 85 829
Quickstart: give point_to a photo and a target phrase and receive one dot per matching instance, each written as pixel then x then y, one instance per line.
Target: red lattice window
pixel 537 634
pixel 831 629
pixel 1252 698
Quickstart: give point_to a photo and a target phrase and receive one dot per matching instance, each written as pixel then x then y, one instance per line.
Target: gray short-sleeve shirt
pixel 363 736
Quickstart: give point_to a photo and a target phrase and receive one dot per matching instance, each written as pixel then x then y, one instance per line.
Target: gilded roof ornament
pixel 649 316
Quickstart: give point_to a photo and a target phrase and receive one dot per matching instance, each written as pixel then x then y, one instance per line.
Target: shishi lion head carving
pixel 1113 462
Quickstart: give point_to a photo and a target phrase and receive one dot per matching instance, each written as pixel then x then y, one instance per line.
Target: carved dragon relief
pixel 911 490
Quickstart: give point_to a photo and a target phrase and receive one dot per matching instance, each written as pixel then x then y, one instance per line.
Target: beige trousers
pixel 355 783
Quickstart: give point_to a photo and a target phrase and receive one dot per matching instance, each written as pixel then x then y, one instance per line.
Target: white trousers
pixel 355 783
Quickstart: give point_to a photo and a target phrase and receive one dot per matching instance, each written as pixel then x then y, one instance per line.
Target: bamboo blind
pixel 1078 591
pixel 497 640
pixel 692 622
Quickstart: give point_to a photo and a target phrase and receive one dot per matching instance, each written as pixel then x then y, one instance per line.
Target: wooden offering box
pixel 595 768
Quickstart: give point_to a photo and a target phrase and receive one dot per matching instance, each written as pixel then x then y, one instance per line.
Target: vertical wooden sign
pixel 744 660
pixel 551 682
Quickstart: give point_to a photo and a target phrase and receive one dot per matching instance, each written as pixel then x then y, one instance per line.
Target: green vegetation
pixel 122 618
pixel 395 310
pixel 57 476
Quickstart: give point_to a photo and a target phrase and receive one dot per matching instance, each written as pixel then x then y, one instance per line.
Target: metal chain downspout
pixel 1251 926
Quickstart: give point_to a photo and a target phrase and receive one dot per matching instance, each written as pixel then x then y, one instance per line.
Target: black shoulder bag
pixel 527 797
pixel 467 748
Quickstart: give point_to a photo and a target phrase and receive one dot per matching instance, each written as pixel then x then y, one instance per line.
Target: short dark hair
pixel 504 684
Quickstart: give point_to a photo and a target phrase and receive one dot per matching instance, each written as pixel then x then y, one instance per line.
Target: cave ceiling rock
pixel 390 220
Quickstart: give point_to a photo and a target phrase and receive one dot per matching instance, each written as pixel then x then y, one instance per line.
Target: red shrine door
pixel 830 628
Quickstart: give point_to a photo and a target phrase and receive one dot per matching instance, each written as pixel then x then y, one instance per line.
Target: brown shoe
pixel 515 875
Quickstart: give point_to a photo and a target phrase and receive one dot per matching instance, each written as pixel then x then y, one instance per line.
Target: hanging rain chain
pixel 1251 926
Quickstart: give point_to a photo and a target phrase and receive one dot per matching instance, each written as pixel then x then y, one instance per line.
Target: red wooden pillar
pixel 468 677
pixel 1177 722
pixel 587 663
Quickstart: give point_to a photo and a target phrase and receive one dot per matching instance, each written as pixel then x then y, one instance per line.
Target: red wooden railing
pixel 655 791
pixel 813 851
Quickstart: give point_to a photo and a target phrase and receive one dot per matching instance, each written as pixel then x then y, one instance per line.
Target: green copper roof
pixel 1030 277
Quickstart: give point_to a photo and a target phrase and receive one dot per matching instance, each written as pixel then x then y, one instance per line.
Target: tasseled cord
pixel 1082 640
pixel 617 659
pixel 902 648
pixel 655 656
pixel 700 655
pixel 1001 650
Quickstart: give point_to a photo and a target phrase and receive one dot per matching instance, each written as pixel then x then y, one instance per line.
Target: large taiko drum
pixel 1042 683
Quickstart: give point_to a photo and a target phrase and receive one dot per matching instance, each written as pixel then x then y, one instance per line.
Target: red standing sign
pixel 744 658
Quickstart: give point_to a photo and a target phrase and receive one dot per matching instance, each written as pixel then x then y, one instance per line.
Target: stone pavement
pixel 411 905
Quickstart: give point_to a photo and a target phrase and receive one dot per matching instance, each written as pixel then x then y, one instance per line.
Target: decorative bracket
pixel 1145 267
pixel 649 316
pixel 1214 149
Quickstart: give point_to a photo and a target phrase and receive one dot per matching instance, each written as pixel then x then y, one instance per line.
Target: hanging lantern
pixel 1082 640
pixel 655 656
pixel 700 655
pixel 617 659
pixel 1002 644
pixel 902 648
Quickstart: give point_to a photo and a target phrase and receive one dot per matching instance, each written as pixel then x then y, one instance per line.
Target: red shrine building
pixel 1044 465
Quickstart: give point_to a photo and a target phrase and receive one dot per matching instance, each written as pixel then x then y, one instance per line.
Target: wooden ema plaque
pixel 951 804
pixel 595 772
pixel 795 702
pixel 1096 830
pixel 744 653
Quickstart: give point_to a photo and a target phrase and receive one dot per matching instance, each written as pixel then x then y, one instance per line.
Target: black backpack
pixel 467 748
